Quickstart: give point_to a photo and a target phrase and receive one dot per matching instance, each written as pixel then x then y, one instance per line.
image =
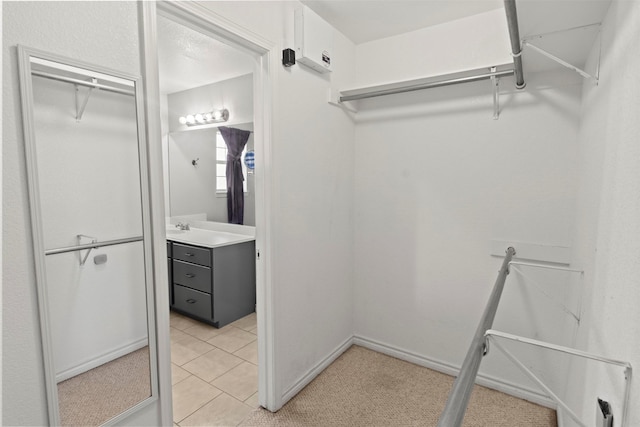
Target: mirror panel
pixel 84 154
pixel 201 188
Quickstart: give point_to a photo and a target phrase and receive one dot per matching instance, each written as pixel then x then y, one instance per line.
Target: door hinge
pixel 258 255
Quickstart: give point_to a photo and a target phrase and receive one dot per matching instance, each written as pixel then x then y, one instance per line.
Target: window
pixel 221 166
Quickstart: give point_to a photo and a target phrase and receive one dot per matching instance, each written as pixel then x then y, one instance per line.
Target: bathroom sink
pixel 175 231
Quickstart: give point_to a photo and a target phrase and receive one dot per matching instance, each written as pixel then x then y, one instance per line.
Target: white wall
pixel 101 33
pixel 234 94
pixel 312 185
pixel 193 189
pixel 436 179
pixel 164 126
pixel 608 214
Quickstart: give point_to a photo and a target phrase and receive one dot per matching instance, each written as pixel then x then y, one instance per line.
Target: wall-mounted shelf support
pixel 515 264
pixel 492 336
pixel 496 95
pixel 583 73
pixel 79 238
pixel 87 81
pixel 562 31
pixel 80 108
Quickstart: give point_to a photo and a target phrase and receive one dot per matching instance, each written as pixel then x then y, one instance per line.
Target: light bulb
pixel 217 114
pixel 208 117
pixel 199 118
pixel 190 119
pixel 182 120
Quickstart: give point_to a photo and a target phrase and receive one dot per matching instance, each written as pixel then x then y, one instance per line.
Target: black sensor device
pixel 288 57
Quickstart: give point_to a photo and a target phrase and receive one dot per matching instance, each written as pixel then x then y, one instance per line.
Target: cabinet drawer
pixel 192 254
pixel 192 276
pixel 191 301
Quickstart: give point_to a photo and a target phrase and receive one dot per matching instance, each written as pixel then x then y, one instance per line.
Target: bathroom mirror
pixel 201 188
pixel 86 160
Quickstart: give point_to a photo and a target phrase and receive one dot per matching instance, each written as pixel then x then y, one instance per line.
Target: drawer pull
pixel 190 275
pixel 188 254
pixel 191 301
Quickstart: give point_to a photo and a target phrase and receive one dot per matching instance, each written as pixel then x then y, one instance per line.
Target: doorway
pixel 220 67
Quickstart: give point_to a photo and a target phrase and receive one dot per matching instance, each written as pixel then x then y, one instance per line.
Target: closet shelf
pixel 468 76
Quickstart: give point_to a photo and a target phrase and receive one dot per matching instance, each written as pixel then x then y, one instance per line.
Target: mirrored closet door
pixel 89 207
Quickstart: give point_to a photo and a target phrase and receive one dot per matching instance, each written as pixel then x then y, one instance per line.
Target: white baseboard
pixel 316 370
pixel 101 360
pixel 437 365
pixel 449 369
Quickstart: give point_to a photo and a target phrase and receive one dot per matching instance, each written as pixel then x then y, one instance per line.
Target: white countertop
pixel 206 238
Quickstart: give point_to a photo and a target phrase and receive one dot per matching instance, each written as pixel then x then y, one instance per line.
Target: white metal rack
pixel 492 335
pixel 80 77
pixel 458 399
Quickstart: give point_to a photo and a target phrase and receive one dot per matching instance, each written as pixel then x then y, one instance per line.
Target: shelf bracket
pixel 79 238
pixel 560 61
pixel 80 108
pixel 496 95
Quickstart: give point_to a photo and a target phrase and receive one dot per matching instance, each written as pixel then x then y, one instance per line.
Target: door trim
pixel 203 20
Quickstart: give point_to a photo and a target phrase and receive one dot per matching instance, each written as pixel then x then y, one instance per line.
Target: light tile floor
pixel 214 372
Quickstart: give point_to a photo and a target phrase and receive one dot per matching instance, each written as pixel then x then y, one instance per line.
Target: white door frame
pixel 201 19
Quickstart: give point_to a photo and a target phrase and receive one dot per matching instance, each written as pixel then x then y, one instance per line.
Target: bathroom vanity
pixel 212 275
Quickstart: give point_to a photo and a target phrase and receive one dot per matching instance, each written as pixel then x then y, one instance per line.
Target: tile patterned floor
pixel 214 372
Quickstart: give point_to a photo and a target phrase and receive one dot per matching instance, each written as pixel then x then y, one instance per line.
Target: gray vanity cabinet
pixel 214 285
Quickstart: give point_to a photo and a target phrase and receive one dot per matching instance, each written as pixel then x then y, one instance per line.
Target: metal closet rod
pixel 425 83
pixel 514 35
pixel 459 395
pixel 92 245
pixel 82 82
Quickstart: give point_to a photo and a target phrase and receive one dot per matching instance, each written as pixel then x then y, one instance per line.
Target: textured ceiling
pixel 189 59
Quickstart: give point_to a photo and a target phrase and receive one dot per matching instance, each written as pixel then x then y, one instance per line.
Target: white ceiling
pixel 189 59
pixel 365 20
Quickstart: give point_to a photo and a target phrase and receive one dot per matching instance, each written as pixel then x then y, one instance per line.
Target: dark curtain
pixel 235 139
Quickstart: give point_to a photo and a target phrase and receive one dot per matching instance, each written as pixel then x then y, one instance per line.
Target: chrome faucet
pixel 182 226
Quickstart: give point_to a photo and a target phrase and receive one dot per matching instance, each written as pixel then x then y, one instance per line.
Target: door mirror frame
pixel 25 60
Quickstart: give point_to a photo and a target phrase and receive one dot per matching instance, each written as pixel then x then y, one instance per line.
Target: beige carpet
pixel 365 388
pixel 96 396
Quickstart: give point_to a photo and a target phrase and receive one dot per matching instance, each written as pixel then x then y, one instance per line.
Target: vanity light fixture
pixel 215 116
